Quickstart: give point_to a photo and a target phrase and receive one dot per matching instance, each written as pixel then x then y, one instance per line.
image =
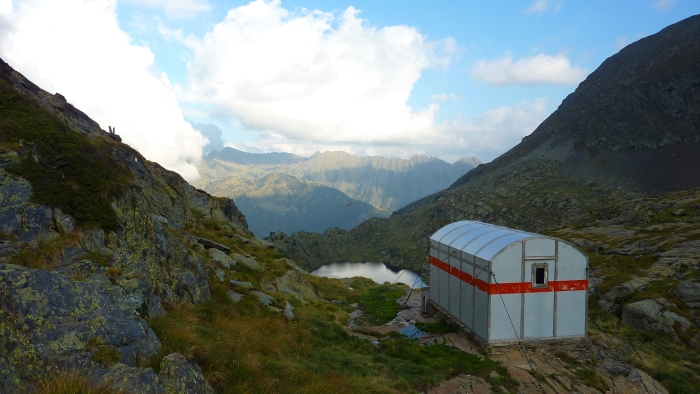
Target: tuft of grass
pixel 100 259
pixel 590 377
pixel 46 253
pixel 74 382
pixel 441 326
pixel 66 170
pixel 106 355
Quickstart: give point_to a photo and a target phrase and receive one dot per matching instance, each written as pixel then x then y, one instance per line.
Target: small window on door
pixel 539 275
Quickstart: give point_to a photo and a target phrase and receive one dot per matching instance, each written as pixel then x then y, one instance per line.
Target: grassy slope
pixel 246 347
pixel 66 170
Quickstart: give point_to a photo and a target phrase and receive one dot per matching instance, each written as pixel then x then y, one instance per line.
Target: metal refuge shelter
pixel 506 285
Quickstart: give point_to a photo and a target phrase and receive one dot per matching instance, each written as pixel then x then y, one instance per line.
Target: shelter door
pixel 538 299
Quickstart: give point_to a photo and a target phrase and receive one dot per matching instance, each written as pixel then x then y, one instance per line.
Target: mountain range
pixel 632 128
pixel 284 192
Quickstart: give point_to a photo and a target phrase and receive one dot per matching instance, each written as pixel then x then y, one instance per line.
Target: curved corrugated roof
pixel 479 239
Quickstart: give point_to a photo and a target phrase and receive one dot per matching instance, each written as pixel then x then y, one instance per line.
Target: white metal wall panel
pixel 455 285
pixel 572 264
pixel 507 266
pixel 481 301
pixel 443 284
pixel 501 328
pixel 538 315
pixel 433 274
pixel 467 298
pixel 571 313
pixel 538 308
pixel 539 247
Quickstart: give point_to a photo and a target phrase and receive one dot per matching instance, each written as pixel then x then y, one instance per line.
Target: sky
pixel 450 79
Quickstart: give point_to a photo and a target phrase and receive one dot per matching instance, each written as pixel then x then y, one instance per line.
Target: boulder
pixel 247 261
pixel 650 316
pixel 235 297
pixel 265 299
pixel 245 285
pixel 268 287
pixel 618 294
pixel 209 244
pixel 688 291
pixel 289 311
pixel 293 283
pixel 178 375
pixel 220 257
pixel 49 320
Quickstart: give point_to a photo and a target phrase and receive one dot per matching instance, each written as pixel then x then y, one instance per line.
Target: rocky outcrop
pixel 178 375
pixel 71 289
pixel 689 293
pixel 292 282
pixel 653 316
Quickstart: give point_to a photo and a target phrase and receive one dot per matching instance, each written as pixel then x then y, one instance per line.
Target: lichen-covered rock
pixel 265 299
pixel 245 285
pixel 268 287
pixel 289 311
pixel 293 283
pixel 98 286
pixel 181 376
pixel 617 294
pixel 222 258
pixel 651 316
pixel 235 297
pixel 247 261
pixel 688 291
pixel 50 320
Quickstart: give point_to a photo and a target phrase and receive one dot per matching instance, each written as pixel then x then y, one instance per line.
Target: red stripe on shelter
pixel 509 288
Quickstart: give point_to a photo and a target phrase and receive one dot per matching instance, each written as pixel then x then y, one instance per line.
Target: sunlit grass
pixel 245 347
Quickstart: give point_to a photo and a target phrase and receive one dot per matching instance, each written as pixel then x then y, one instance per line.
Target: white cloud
pixel 314 76
pixel 444 97
pixel 541 6
pixel 529 70
pixel 76 47
pixel 176 9
pixel 170 34
pixel 486 136
pixel 5 6
pixel 665 5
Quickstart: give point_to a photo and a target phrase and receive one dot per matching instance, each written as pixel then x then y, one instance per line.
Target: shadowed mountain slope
pixel 284 192
pixel 278 202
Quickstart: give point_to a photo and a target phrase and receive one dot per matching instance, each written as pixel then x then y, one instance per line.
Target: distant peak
pixel 472 161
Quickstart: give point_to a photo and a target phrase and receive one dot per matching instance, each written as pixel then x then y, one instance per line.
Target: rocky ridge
pixel 387 184
pixel 72 292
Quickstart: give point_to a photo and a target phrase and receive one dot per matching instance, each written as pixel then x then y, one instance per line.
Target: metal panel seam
pixel 556 277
